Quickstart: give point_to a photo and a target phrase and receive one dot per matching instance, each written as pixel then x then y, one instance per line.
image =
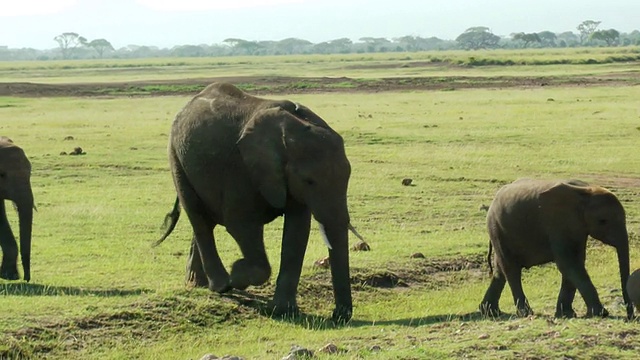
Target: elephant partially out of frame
pixel 241 161
pixel 533 222
pixel 15 185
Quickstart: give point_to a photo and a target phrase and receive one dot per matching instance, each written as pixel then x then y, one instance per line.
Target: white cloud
pixel 197 5
pixel 34 7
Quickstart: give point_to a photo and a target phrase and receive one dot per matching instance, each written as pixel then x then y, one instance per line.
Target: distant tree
pixel 478 37
pixel 586 28
pixel 526 38
pixel 188 51
pixel 69 41
pixel 243 47
pixel 376 44
pixel 100 46
pixel 610 36
pixel 293 46
pixel 568 39
pixel 547 38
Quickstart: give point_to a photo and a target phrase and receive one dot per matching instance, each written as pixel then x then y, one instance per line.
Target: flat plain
pixel 99 290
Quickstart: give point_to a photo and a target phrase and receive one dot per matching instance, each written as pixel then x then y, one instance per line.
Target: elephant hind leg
pixel 195 272
pixel 254 269
pixel 203 225
pixel 514 278
pixel 490 303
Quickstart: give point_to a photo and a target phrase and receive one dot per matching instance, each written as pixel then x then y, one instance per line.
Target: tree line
pixel 73 46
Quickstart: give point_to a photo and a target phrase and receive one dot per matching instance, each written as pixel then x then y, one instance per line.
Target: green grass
pixel 100 291
pixel 557 62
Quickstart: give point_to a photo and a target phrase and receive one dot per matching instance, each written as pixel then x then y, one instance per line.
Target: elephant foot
pixel 342 314
pixel 565 312
pixel 244 274
pixel 524 312
pixel 597 311
pixel 489 310
pixel 9 274
pixel 196 279
pixel 287 310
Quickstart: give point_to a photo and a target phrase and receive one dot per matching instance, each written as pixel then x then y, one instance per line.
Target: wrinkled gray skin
pixel 15 185
pixel 241 161
pixel 533 222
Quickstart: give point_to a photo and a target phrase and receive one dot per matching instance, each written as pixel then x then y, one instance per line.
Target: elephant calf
pixel 15 185
pixel 533 222
pixel 241 161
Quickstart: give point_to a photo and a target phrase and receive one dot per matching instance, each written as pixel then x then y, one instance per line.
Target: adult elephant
pixel 15 185
pixel 533 222
pixel 241 161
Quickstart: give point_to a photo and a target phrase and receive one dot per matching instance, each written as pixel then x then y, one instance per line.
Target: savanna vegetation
pixel 99 290
pixel 71 45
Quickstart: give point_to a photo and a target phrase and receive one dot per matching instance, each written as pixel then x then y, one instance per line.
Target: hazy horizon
pixel 167 23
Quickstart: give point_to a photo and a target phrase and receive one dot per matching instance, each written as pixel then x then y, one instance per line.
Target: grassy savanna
pixel 99 290
pixel 558 62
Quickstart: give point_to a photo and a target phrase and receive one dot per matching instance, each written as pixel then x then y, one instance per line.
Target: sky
pixel 167 23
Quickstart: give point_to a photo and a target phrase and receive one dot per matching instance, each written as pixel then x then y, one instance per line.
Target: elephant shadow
pixel 30 289
pixel 260 304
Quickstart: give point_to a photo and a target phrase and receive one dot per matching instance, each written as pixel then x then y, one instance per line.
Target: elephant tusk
pixel 355 232
pixel 324 236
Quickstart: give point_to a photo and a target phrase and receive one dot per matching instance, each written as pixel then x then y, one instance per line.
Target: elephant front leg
pixel 570 262
pixel 295 238
pixel 564 308
pixel 9 267
pixel 253 268
pixel 195 272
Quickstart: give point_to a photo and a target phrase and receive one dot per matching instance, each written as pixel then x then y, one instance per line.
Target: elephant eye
pixel 602 221
pixel 309 181
pixel 2 175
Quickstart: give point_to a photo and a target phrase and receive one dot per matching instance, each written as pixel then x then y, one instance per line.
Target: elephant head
pixel 294 157
pixel 287 154
pixel 602 217
pixel 15 185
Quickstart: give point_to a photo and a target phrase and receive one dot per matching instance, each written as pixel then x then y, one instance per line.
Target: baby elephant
pixel 533 222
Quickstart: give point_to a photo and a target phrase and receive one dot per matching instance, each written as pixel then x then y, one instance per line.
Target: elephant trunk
pixel 25 217
pixel 337 236
pixel 623 261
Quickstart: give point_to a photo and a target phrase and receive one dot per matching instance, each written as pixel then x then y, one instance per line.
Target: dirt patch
pixel 418 272
pixel 613 181
pixel 295 85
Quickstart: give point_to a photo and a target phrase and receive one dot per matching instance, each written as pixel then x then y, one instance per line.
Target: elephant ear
pixel 565 202
pixel 261 146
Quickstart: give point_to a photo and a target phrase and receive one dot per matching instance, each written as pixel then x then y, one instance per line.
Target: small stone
pixel 298 352
pixel 67 138
pixel 417 255
pixel 63 153
pixel 322 263
pixel 375 348
pixel 209 357
pixel 361 246
pixel 483 336
pixel 328 349
pixel 407 181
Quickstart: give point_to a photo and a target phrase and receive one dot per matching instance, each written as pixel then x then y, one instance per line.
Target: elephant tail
pixel 170 221
pixel 489 259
